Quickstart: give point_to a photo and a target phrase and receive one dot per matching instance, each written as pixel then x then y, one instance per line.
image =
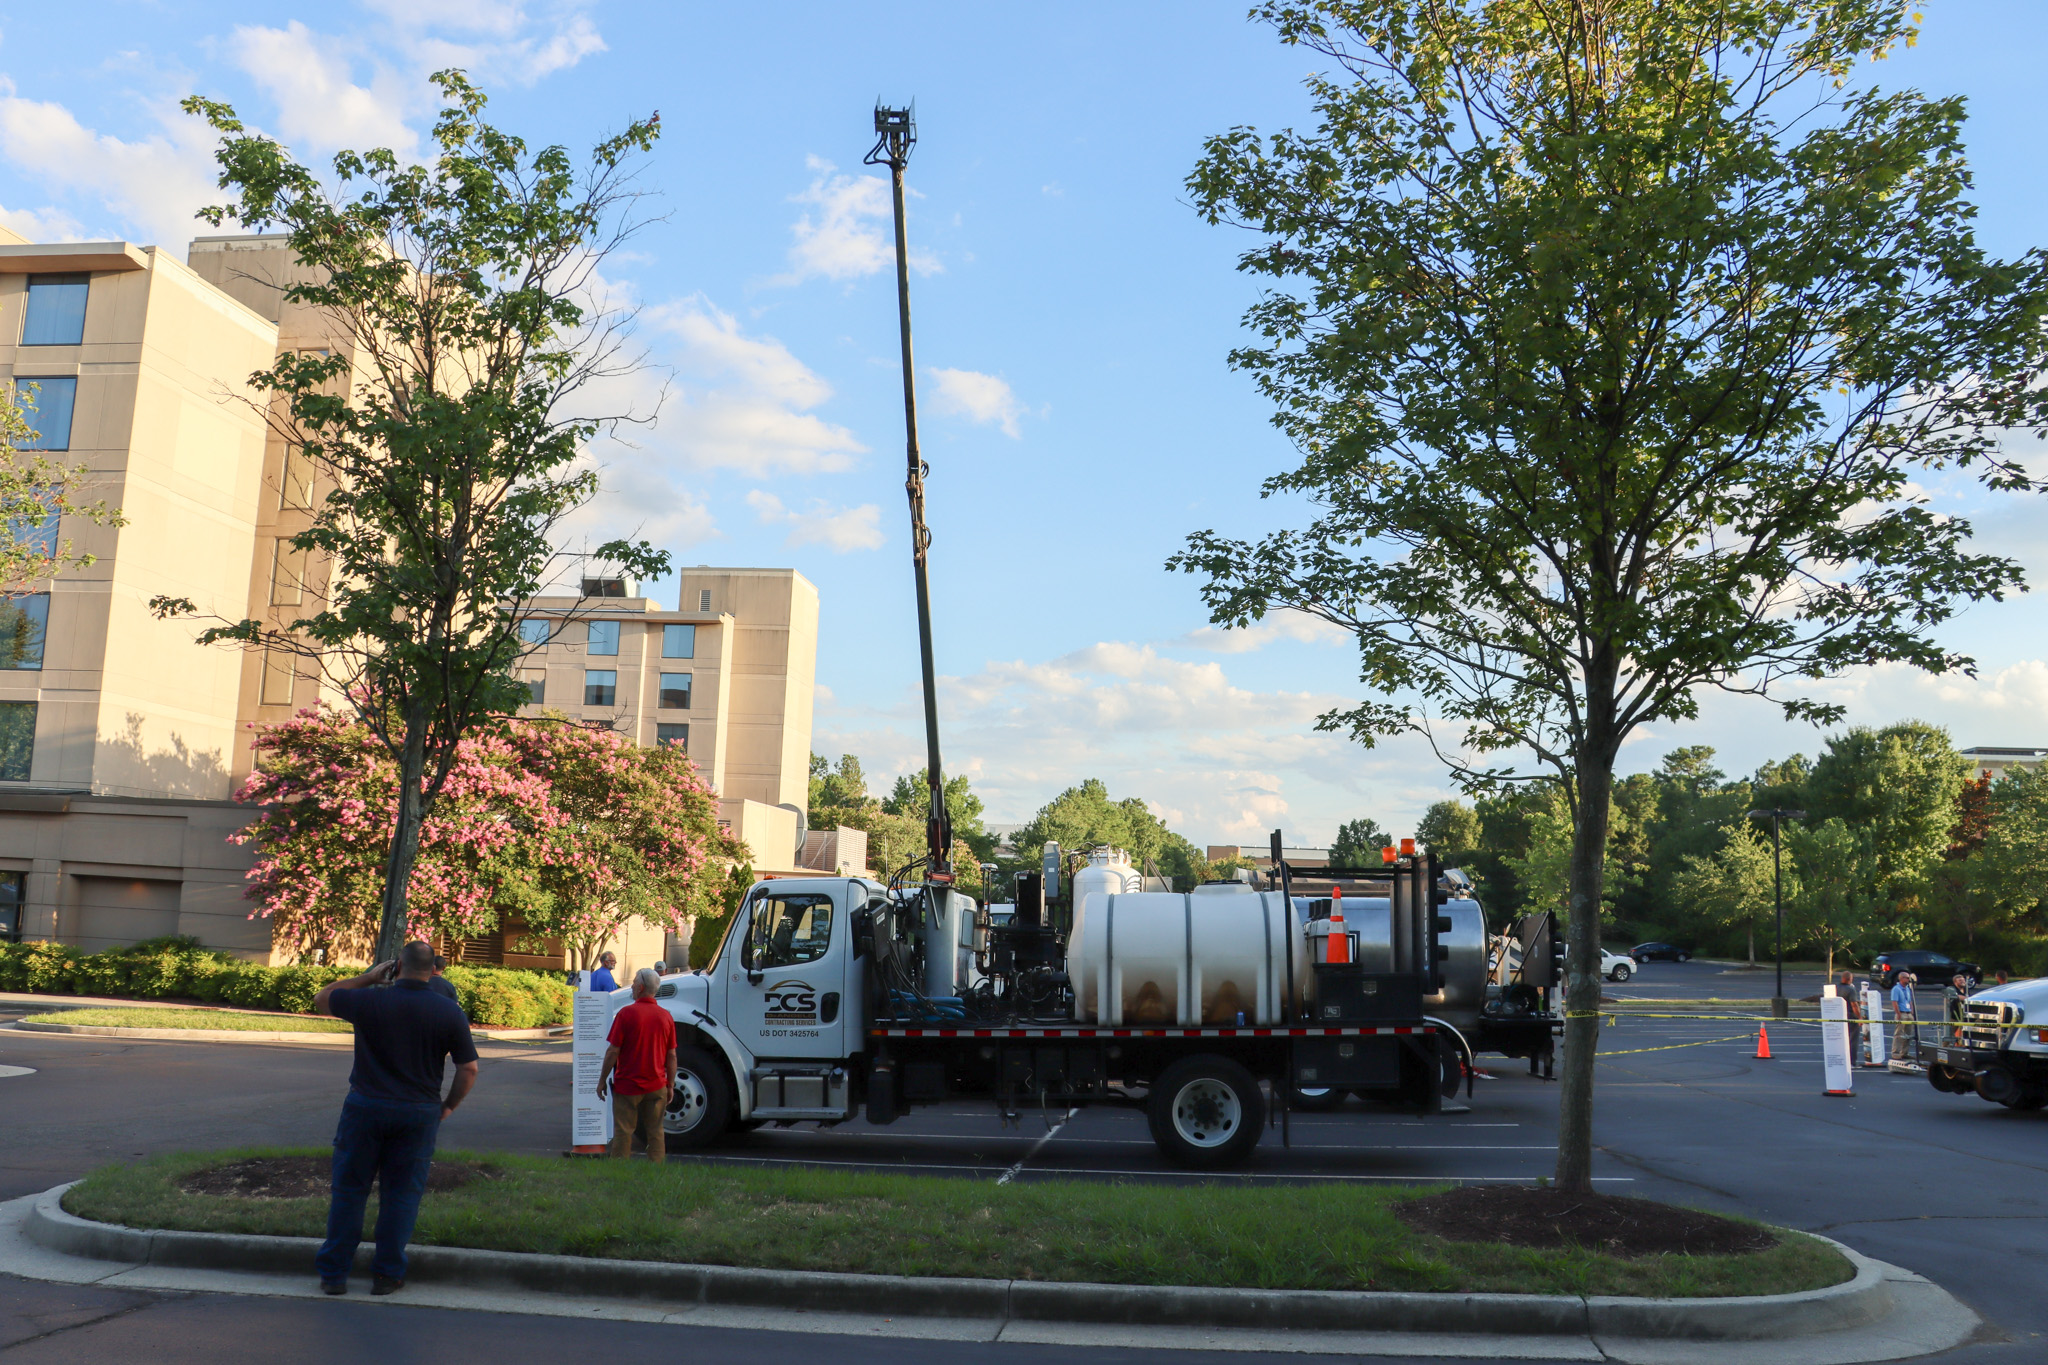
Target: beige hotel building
pixel 122 741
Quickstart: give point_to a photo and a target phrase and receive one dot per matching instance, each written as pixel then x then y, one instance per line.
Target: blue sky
pixel 1072 320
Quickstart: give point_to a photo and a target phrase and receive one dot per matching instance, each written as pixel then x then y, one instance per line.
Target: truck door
pixel 786 994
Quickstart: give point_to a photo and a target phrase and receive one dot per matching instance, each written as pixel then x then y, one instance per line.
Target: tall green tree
pixel 2008 874
pixel 1735 885
pixel 1613 335
pixel 1833 900
pixel 447 419
pixel 1898 785
pixel 1449 829
pixel 911 797
pixel 1358 843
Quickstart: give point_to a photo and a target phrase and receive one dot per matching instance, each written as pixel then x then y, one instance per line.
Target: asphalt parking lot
pixel 1945 1185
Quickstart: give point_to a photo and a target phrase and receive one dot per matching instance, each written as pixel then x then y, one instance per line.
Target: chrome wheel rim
pixel 687 1106
pixel 1206 1113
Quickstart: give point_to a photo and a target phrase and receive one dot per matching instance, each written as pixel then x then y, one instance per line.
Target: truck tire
pixel 1206 1112
pixel 701 1107
pixel 1943 1078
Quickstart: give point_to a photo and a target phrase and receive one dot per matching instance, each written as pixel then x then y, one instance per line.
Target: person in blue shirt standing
pixel 405 1036
pixel 1903 1027
pixel 602 979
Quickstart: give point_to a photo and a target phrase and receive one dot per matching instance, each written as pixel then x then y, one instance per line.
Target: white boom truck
pixel 837 997
pixel 1999 1049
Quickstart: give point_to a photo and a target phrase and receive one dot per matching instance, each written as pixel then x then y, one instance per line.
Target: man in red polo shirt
pixel 640 1069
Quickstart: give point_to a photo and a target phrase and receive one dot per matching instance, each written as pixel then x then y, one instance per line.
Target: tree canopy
pixel 445 419
pixel 1614 336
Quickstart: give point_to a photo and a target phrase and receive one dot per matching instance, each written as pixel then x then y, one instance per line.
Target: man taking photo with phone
pixel 405 1035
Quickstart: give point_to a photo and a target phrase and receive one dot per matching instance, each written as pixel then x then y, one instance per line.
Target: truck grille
pixel 1989 1023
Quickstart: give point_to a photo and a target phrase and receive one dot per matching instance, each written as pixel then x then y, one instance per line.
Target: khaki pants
pixel 641 1114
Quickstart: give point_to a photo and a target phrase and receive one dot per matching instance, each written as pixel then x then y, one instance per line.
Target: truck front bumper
pixel 1963 1059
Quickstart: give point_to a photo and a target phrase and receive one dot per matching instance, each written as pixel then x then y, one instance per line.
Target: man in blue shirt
pixel 602 979
pixel 1905 1036
pixel 405 1035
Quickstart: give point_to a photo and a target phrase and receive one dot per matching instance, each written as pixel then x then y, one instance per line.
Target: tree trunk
pixel 1752 943
pixel 1582 960
pixel 405 840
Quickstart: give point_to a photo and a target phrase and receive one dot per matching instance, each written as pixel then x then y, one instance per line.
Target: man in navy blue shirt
pixel 405 1034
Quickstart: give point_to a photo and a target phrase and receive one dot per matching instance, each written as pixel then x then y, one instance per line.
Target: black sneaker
pixel 334 1286
pixel 386 1285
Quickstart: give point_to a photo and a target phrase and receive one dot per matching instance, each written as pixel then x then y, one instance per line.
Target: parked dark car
pixel 1933 969
pixel 1659 952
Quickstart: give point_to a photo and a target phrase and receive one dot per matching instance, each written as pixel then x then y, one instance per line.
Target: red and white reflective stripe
pixel 1149 1032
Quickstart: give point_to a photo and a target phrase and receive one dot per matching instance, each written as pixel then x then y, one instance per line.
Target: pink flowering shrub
pixel 572 829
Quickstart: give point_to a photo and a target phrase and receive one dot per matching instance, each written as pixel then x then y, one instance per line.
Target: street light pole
pixel 1781 1008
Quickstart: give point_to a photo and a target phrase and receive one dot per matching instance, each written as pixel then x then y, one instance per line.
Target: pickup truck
pixel 1998 1049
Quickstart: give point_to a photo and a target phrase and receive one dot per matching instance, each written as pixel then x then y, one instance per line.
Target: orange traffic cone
pixel 1763 1044
pixel 1337 947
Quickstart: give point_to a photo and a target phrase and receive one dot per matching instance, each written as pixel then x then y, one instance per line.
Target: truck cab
pixel 766 1032
pixel 1998 1049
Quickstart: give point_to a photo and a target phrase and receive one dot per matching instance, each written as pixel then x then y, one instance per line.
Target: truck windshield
pixel 789 930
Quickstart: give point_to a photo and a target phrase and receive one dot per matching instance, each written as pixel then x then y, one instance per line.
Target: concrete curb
pixel 1862 1299
pixel 224 1035
pixel 193 1034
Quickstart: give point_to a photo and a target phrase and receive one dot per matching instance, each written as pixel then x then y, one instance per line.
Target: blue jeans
pixel 393 1144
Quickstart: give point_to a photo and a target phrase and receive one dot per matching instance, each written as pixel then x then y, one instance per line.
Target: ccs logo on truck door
pixel 789 1002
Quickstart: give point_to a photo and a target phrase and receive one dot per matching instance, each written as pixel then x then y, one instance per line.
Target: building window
pixel 55 315
pixel 604 587
pixel 675 691
pixel 17 739
pixel 672 737
pixel 600 687
pixel 287 574
pixel 536 685
pixel 279 674
pixel 604 637
pixel 295 492
pixel 23 623
pixel 536 630
pixel 39 536
pixel 46 400
pixel 13 894
pixel 678 642
pixel 704 599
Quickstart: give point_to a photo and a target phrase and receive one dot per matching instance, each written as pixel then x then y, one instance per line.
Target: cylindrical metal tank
pixel 1132 962
pixel 1187 959
pixel 1105 878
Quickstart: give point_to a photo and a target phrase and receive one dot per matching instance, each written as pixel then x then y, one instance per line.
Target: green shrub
pixel 48 967
pixel 250 986
pixel 297 986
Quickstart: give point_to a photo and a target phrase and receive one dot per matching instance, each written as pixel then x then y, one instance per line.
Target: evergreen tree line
pixel 1902 845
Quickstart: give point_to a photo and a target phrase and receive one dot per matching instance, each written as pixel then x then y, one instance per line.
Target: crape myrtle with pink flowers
pixel 571 828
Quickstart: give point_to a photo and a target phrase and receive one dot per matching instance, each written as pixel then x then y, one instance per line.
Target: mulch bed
pixel 303 1177
pixel 1523 1216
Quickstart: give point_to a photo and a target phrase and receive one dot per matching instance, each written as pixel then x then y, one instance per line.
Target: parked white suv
pixel 1616 966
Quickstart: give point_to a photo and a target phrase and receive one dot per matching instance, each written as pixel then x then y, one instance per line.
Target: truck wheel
pixel 702 1104
pixel 1314 1101
pixel 1943 1078
pixel 1206 1112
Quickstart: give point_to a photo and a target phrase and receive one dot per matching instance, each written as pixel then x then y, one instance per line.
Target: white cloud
pixel 847 230
pixel 496 38
pixel 838 529
pixel 743 402
pixel 979 398
pixel 319 106
pixel 153 186
pixel 1281 625
pixel 43 225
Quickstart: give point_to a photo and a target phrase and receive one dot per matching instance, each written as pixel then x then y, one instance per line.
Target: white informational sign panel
pixel 1834 1044
pixel 590 1118
pixel 1873 1010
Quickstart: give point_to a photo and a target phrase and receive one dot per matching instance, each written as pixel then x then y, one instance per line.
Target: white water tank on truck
pixel 1202 957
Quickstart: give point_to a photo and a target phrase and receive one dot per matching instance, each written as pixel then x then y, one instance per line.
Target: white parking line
pixel 886 1167
pixel 1036 1147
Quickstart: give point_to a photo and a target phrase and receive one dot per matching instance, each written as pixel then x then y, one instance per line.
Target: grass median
pixel 227 1021
pixel 1331 1236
